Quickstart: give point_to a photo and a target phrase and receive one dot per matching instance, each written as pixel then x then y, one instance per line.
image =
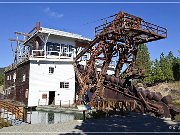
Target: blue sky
pixel 81 19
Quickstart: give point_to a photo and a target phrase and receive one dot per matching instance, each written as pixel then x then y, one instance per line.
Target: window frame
pixel 51 70
pixel 64 85
pixel 24 78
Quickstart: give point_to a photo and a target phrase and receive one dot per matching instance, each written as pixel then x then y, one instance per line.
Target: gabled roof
pixel 58 33
pixel 63 33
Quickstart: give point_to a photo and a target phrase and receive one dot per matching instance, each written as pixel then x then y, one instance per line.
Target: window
pixel 64 84
pixel 44 96
pixel 51 70
pixel 26 93
pixel 14 77
pixel 24 78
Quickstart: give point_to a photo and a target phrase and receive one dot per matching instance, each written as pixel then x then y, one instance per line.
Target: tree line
pixel 1 76
pixel 166 69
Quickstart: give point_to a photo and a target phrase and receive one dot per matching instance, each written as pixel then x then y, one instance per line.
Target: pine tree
pixel 166 68
pixel 1 79
pixel 143 61
pixel 176 69
pixel 170 57
pixel 158 75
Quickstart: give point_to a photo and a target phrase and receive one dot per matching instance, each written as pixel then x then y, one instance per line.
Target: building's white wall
pixel 41 82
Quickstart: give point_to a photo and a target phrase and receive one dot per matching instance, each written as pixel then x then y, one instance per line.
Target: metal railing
pixel 51 54
pixel 60 103
pixel 128 21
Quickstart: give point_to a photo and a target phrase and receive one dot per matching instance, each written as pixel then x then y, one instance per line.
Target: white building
pixel 44 73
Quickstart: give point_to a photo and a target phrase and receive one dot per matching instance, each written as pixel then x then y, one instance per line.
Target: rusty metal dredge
pixel 118 38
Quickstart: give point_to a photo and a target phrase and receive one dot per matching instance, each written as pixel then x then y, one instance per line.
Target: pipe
pixel 37 26
pixel 37 47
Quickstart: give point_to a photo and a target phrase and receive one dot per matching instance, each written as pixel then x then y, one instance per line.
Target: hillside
pixel 1 78
pixel 171 88
pixel 2 70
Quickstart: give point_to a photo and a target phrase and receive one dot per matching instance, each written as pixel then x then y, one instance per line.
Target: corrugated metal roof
pixel 63 33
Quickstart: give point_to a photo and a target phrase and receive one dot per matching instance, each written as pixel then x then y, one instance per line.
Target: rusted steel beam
pixel 86 49
pixel 120 36
pixel 153 107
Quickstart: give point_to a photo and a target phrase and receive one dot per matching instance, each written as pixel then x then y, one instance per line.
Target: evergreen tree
pixel 143 61
pixel 166 68
pixel 158 75
pixel 176 69
pixel 1 79
pixel 170 58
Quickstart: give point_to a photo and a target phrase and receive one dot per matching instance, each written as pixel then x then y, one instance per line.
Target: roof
pixel 58 33
pixel 63 33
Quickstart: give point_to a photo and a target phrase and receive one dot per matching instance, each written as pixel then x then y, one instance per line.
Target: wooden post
pixel 7 116
pixel 0 113
pixel 130 108
pixel 84 115
pixel 24 114
pixel 38 102
pixel 98 105
pixel 60 104
pixel 4 112
pixel 30 116
pixel 103 108
pixel 122 110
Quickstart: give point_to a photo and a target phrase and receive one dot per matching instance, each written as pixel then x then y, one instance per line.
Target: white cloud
pixel 51 13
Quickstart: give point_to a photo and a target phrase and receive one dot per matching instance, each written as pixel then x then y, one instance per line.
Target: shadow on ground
pixel 130 123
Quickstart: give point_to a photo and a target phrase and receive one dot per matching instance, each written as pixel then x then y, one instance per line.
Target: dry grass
pixel 171 88
pixel 174 85
pixel 1 88
pixel 4 123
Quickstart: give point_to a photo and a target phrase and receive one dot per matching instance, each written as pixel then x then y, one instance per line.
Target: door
pixel 51 97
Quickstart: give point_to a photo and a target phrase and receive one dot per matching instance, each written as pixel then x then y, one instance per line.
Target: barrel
pixel 112 78
pixel 121 81
pixel 150 95
pixel 157 96
pixel 167 99
pixel 145 93
pixel 116 80
pixel 107 77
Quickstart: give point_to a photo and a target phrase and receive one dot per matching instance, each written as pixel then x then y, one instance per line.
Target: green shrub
pixel 4 123
pixel 98 114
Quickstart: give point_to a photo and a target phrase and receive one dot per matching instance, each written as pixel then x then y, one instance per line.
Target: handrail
pixel 128 21
pixel 50 53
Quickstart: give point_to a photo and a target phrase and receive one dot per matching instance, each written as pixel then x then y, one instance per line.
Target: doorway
pixel 51 97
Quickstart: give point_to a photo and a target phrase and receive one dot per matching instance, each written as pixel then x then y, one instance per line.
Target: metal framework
pixel 119 36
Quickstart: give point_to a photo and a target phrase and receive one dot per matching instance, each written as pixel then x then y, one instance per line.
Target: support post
pixel 38 102
pixel 84 115
pixel 130 109
pixel 60 104
pixel 30 116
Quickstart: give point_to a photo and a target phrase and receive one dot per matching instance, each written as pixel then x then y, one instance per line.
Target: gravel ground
pixel 132 123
